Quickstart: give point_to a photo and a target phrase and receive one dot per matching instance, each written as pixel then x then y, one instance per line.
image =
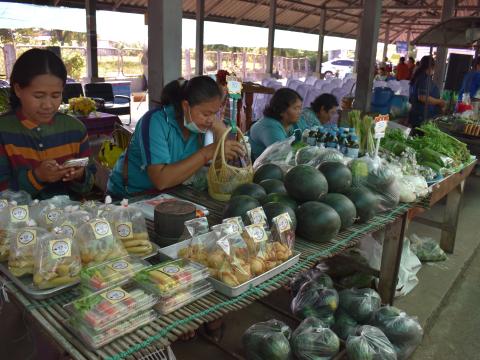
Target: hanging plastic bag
pixel 360 303
pixel 370 343
pixel 269 340
pixel 57 261
pixel 313 340
pixel 427 249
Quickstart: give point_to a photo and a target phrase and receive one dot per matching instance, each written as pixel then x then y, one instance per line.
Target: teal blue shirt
pixel 308 119
pixel 264 133
pixel 157 140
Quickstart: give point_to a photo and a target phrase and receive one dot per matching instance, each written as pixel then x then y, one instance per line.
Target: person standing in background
pixel 471 82
pixel 411 66
pixel 403 71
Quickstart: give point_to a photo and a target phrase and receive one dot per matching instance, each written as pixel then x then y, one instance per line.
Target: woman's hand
pixel 233 150
pixel 74 174
pixel 49 171
pixel 443 105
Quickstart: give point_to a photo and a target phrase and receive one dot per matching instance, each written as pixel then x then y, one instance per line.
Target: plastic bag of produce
pixel 280 153
pixel 313 340
pixel 129 227
pixel 316 274
pixel 344 325
pixel 97 242
pixel 269 340
pixel 403 331
pixel 57 261
pixel 359 169
pixel 407 191
pixel 427 249
pixel 369 343
pixel 382 182
pixel 419 184
pixel 48 215
pixel 359 303
pixel 229 260
pixel 316 300
pixel 71 218
pixel 23 243
pixel 308 154
pixel 13 217
pixel 20 197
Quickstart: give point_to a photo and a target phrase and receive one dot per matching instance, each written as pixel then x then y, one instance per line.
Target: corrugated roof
pixel 342 16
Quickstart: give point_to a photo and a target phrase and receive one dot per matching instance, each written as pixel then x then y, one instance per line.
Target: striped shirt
pixel 24 145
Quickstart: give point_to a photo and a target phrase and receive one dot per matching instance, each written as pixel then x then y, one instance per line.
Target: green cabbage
pixel 312 340
pixel 267 340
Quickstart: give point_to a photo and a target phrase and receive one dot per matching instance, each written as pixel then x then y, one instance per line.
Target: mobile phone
pixel 82 162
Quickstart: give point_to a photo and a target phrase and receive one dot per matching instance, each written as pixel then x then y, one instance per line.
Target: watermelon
pixel 369 343
pixel 339 177
pixel 315 274
pixel 315 300
pixel 280 198
pixel 344 325
pixel 251 189
pixel 317 222
pixel 273 186
pixel 238 206
pixel 343 206
pixel 307 154
pixel 273 209
pixel 365 202
pixel 267 340
pixel 360 303
pixel 268 171
pixel 305 183
pixel 312 340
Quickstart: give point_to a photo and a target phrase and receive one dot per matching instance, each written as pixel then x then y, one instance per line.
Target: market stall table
pixel 99 123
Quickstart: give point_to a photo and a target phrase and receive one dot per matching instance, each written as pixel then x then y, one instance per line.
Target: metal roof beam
pixel 210 10
pixel 300 20
pixel 245 13
pixel 117 4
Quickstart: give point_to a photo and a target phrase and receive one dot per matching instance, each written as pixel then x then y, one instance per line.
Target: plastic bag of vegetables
pixel 344 325
pixel 403 331
pixel 312 340
pixel 359 303
pixel 308 154
pixel 315 300
pixel 280 153
pixel 369 343
pixel 315 274
pixel 427 249
pixel 71 218
pixel 13 217
pixel 269 340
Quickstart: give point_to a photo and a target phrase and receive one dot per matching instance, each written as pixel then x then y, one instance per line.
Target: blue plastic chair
pixel 382 100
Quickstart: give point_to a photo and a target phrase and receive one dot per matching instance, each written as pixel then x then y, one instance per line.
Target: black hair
pixel 280 102
pixel 325 101
pixel 31 63
pixel 425 63
pixel 195 91
pixel 411 58
pixel 402 59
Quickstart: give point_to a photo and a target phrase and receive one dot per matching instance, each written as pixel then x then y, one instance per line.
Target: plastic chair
pixel 337 82
pixel 382 100
pixel 339 93
pixel 71 90
pixel 319 83
pixel 311 80
pixel 303 90
pixel 395 86
pixel 105 91
pixel 294 84
pixel 311 96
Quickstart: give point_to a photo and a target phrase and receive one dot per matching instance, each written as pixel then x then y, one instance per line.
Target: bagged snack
pixel 4 219
pixel 283 232
pixel 48 216
pixel 93 207
pixel 97 243
pixel 128 225
pixel 269 340
pixel 360 303
pixel 237 222
pixel 57 261
pixel 20 197
pixel 170 303
pixel 316 274
pixel 71 218
pixel 13 217
pixel 313 340
pixel 261 259
pixel 61 201
pixel 222 230
pixel 197 226
pixel 103 210
pixel 257 216
pixel 369 343
pixel 23 243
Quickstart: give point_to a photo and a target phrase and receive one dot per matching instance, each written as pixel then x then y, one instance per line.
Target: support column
pixel 386 41
pixel 367 49
pixel 448 11
pixel 357 41
pixel 321 36
pixel 199 37
pixel 409 37
pixel 271 36
pixel 92 52
pixel 164 44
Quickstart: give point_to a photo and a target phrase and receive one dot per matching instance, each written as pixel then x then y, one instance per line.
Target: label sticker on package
pixel 3 204
pixel 61 248
pixel 257 216
pixel 120 266
pixel 224 245
pixel 19 214
pixel 68 229
pixel 52 216
pixel 170 269
pixel 115 295
pixel 124 230
pixel 237 226
pixel 101 229
pixel 283 222
pixel 26 237
pixel 257 232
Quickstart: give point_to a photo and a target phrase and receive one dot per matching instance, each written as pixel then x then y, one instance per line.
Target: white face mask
pixel 191 126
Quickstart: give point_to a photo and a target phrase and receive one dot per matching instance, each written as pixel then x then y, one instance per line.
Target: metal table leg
pixel 450 218
pixel 391 255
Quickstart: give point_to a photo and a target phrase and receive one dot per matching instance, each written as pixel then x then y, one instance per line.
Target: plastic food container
pixel 111 273
pixel 170 277
pixel 96 339
pixel 105 309
pixel 171 303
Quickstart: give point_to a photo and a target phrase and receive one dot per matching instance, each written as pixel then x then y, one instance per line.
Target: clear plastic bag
pixel 360 303
pixel 197 226
pixel 280 153
pixel 57 261
pixel 344 325
pixel 71 218
pixel 427 249
pixel 20 197
pixel 328 155
pixel 283 234
pixel 382 182
pixel 13 217
pixel 316 274
pixel 97 242
pixel 103 210
pixel 48 215
pixel 369 343
pixel 198 249
pixel 269 340
pixel 403 331
pixel 23 244
pixel 313 340
pixel 419 183
pixel 359 169
pixel 407 191
pixel 308 154
pixel 129 227
pixel 315 300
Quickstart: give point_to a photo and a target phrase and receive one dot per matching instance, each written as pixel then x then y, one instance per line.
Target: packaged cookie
pixel 258 216
pixel 259 246
pixel 198 248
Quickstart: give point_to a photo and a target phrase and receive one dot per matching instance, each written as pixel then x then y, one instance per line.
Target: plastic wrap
pixel 308 154
pixel 269 340
pixel 360 303
pixel 197 226
pixel 427 249
pixel 316 300
pixel 198 248
pixel 283 232
pixel 97 243
pixel 403 331
pixel 129 227
pixel 20 197
pixel 344 325
pixel 48 216
pixel 328 155
pixel 369 343
pixel 13 217
pixel 173 302
pixel 57 261
pixel 359 169
pixel 280 153
pixel 71 218
pixel 312 340
pixel 315 274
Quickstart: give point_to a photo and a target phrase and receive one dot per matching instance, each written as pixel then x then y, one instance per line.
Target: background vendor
pixel 471 82
pixel 281 113
pixel 35 139
pixel 323 111
pixel 167 146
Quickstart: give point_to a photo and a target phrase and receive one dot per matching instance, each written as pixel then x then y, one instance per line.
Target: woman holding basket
pixel 167 147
